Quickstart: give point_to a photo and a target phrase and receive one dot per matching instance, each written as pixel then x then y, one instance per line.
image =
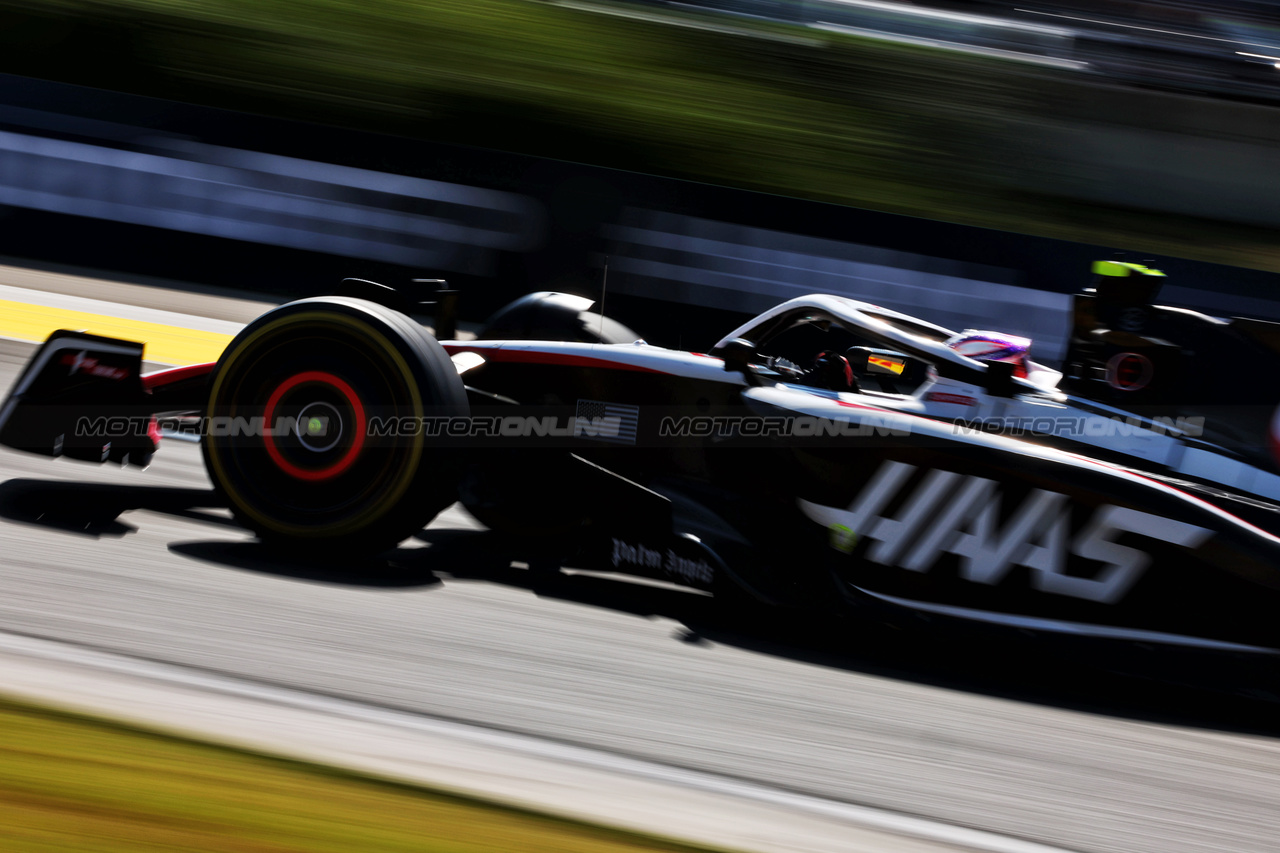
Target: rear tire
pixel 300 403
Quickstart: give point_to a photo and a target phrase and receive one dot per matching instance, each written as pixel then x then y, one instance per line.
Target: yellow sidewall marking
pixel 164 344
pixel 389 497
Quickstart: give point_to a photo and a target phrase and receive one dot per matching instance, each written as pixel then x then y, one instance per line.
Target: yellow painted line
pixel 164 344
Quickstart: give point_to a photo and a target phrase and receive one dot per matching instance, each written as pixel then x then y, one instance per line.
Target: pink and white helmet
pixel 993 346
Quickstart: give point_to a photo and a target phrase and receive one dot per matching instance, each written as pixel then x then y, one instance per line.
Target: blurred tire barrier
pixel 1043 44
pixel 696 261
pixel 1222 52
pixel 1193 175
pixel 154 188
pixel 266 198
pixel 1159 151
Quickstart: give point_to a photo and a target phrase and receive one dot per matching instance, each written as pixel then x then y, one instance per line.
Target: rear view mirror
pixel 1000 378
pixel 739 355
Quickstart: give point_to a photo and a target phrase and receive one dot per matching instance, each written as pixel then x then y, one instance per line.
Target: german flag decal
pixel 886 364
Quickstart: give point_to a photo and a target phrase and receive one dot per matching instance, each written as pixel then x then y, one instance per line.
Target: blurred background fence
pixel 806 129
pixel 267 198
pixel 156 200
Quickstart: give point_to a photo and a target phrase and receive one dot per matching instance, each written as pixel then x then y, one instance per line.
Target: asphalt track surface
pixel 993 736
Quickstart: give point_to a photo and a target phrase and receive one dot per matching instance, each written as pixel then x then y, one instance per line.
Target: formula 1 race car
pixel 827 454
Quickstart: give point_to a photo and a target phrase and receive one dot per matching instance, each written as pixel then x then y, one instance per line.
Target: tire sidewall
pixel 419 487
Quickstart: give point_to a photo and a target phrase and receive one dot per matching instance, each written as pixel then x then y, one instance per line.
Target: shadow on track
pixel 253 557
pixel 481 555
pixel 93 509
pixel 1090 678
pixel 1008 665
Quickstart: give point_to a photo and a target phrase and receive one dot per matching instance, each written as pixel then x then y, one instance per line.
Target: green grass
pixel 73 783
pixel 886 127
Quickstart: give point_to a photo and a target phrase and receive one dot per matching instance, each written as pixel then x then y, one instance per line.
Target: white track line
pixel 117 309
pixel 569 780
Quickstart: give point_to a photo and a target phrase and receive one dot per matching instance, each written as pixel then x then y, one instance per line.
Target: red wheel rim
pixel 356 443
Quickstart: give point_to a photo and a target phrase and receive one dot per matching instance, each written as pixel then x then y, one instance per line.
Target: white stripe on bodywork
pixel 805 401
pixel 1059 626
pixel 642 355
pixel 807 404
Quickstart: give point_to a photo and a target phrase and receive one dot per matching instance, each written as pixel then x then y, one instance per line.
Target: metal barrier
pixel 723 265
pixel 1041 43
pixel 265 198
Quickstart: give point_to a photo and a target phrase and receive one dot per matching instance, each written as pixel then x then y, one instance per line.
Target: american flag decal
pixel 609 422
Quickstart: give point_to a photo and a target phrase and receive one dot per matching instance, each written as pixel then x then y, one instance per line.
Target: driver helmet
pixel 834 371
pixel 993 346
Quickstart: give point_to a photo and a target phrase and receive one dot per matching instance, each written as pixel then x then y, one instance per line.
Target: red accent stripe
pixel 175 374
pixel 357 440
pixel 534 357
pixel 849 405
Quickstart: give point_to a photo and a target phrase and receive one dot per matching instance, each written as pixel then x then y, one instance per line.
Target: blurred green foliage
pixel 710 98
pixel 72 783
